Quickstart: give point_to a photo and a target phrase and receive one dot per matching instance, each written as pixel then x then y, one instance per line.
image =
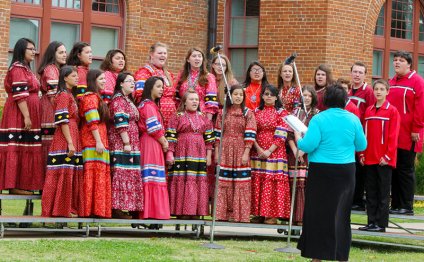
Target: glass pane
pixel 103 39
pixel 421 21
pixel 237 31
pixel 252 7
pixel 237 8
pixel 73 4
pixel 68 34
pixel 109 6
pixel 392 70
pixel 96 64
pixel 55 2
pixel 421 65
pixel 251 55
pixel 402 14
pixel 238 64
pixel 379 28
pixel 377 63
pixel 252 31
pixel 23 28
pixel 35 2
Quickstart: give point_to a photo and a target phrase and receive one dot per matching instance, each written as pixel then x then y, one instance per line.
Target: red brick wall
pixel 180 24
pixel 4 44
pixel 320 31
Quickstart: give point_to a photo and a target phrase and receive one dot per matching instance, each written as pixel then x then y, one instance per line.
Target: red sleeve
pixel 140 78
pixel 218 129
pixel 280 134
pixel 250 130
pixel 177 90
pixel 171 132
pixel 89 107
pixel 392 139
pixel 418 112
pixel 120 115
pixel 19 87
pixel 61 107
pixel 208 135
pixel 152 121
pixel 49 80
pixel 211 101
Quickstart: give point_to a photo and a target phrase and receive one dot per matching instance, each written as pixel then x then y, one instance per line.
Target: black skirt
pixel 326 232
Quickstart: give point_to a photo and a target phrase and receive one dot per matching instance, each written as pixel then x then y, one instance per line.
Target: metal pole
pixel 211 244
pixel 300 87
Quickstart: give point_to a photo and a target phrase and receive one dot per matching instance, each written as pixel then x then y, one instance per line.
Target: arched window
pixel 242 34
pixel 400 26
pixel 98 22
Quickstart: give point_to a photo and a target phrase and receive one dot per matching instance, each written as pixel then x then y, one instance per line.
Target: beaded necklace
pixel 195 128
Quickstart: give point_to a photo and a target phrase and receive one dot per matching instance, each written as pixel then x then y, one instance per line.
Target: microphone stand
pixel 211 244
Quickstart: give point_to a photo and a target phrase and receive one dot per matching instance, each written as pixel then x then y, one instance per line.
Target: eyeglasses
pixel 218 64
pixel 259 70
pixel 268 94
pixel 32 49
pixel 129 81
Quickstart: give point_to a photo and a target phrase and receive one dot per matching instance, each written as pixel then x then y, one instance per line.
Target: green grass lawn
pixel 169 247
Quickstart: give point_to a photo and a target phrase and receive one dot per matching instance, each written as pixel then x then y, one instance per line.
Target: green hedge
pixel 419 173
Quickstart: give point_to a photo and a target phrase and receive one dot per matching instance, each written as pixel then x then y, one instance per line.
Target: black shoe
pixel 358 208
pixel 404 211
pixel 376 228
pixel 394 211
pixel 365 228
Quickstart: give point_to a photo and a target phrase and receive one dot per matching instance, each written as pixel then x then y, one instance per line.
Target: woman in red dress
pixel 289 93
pixel 153 144
pixel 21 165
pixel 61 192
pixel 270 180
pixel 234 190
pixel 218 73
pixel 310 101
pixel 95 149
pixel 127 184
pixel 195 76
pixel 81 56
pixel 158 55
pixel 323 78
pixel 254 83
pixel 54 58
pixel 113 64
pixel 190 134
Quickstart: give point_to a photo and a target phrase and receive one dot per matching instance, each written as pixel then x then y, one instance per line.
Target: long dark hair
pixel 203 73
pixel 248 80
pixel 65 71
pixel 119 80
pixel 328 76
pixel 19 51
pixel 107 62
pixel 73 58
pixel 232 89
pixel 311 90
pixel 49 56
pixel 274 92
pixel 92 76
pixel 148 86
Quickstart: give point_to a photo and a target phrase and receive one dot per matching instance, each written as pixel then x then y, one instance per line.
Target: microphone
pixel 216 49
pixel 290 59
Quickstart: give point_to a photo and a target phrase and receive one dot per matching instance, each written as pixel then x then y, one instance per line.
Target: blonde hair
pixel 181 107
pixel 228 74
pixel 152 49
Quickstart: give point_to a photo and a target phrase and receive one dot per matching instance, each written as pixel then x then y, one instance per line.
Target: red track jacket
pixel 407 95
pixel 381 130
pixel 363 98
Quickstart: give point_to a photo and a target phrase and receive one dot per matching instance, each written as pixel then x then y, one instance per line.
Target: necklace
pixel 195 128
pixel 192 83
pixel 253 97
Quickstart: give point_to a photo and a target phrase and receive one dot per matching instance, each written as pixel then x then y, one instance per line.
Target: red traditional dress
pixel 189 134
pixel 82 81
pixel 234 194
pixel 21 164
pixel 207 94
pixel 97 181
pixel 302 168
pixel 253 95
pixel 152 162
pixel 107 92
pixel 167 102
pixel 62 193
pixel 50 73
pixel 320 97
pixel 290 97
pixel 270 181
pixel 127 185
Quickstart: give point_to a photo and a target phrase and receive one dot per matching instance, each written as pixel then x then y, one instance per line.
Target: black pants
pixel 403 180
pixel 358 197
pixel 377 186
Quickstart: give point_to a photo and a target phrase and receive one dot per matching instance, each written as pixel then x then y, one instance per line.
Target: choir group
pixel 108 143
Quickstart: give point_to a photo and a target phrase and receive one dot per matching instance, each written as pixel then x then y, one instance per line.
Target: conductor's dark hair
pixel 335 97
pixel 403 54
pixel 274 92
pixel 19 51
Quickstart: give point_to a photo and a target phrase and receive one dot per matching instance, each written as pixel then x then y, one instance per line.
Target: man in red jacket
pixel 361 95
pixel 406 94
pixel 381 125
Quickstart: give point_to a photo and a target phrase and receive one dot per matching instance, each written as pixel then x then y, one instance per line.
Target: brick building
pixel 336 32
